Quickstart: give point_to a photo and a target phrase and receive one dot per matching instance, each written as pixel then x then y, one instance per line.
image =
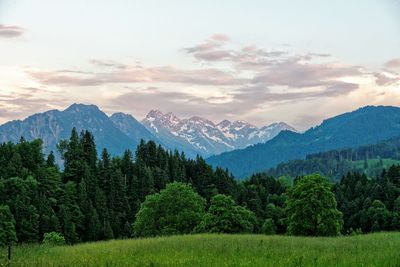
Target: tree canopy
pixel 225 216
pixel 311 208
pixel 97 195
pixel 177 209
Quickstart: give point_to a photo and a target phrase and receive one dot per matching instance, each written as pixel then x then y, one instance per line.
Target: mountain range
pixel 237 145
pixel 367 125
pixel 55 125
pixel 121 131
pixel 197 135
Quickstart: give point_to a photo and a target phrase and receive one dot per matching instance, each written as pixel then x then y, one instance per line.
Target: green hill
pixel 368 125
pixel 369 159
pixel 220 250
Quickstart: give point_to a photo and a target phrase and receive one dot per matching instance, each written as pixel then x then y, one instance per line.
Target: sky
pixel 298 61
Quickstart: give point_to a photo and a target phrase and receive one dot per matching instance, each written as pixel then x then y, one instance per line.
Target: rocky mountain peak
pixel 207 137
pixel 154 114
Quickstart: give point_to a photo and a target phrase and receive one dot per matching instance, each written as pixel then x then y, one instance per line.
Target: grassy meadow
pixel 382 249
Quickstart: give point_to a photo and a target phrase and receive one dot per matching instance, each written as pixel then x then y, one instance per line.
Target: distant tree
pixel 68 226
pixel 53 238
pixel 71 152
pixel 276 214
pixel 177 209
pixel 7 227
pixel 378 216
pixel 51 160
pixel 225 216
pixel 89 149
pixel 268 227
pixel 311 208
pixel 366 164
pixel 8 234
pixel 20 194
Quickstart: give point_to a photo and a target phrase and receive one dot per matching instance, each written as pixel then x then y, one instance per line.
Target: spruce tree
pixel 7 227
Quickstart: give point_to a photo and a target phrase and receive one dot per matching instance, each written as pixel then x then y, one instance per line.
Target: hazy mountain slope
pixel 368 159
pixel 131 127
pixel 366 125
pixel 54 125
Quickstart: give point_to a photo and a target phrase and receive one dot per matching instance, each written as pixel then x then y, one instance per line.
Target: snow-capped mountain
pixel 197 135
pixel 122 131
pixel 244 134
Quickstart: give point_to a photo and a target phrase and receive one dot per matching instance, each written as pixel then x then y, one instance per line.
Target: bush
pixel 54 239
pixel 225 216
pixel 358 231
pixel 268 228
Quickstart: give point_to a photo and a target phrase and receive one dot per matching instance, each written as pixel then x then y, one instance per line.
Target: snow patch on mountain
pixel 208 138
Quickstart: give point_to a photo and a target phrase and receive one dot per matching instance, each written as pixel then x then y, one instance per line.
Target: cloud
pixel 231 104
pixel 214 49
pixel 213 55
pixel 254 58
pixel 296 74
pixel 143 100
pixel 10 31
pixel 107 63
pixel 250 80
pixel 137 74
pixel 386 79
pixel 393 64
pixel 256 96
pixel 28 100
pixel 249 57
pixel 264 68
pixel 211 49
pixel 220 37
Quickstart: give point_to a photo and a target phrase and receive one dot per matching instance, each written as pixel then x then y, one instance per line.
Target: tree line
pixel 158 192
pixel 368 159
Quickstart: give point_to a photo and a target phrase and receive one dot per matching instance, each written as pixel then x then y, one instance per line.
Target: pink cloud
pixel 107 63
pixel 298 75
pixel 220 37
pixel 384 80
pixel 137 74
pixel 393 64
pixel 10 31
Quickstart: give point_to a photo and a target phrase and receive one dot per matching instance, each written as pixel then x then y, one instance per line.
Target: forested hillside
pixel 369 159
pixel 93 198
pixel 98 197
pixel 367 125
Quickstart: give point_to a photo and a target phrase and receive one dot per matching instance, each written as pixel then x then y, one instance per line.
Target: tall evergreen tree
pixel 7 227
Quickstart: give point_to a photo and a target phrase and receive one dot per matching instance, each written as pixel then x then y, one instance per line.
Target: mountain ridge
pixel 366 125
pixel 207 137
pixel 54 125
pixel 334 164
pixel 121 131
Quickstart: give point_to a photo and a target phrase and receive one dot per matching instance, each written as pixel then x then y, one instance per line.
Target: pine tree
pixel 89 150
pixel 67 225
pixel 51 160
pixel 7 227
pixel 93 224
pixel 72 154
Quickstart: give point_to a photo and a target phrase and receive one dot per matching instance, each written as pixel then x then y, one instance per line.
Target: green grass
pixel 374 163
pixel 381 249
